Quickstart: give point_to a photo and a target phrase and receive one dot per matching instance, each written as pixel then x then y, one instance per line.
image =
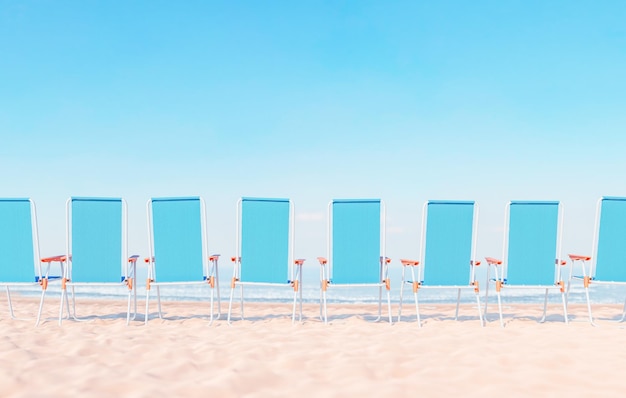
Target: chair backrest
pixel 356 241
pixel 532 243
pixel 265 240
pixel 97 239
pixel 18 243
pixel 610 254
pixel 448 243
pixel 178 239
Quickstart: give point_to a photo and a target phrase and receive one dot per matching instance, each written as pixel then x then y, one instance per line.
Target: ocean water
pixel 609 294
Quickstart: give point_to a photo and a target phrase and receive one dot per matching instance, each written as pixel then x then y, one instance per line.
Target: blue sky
pixel 314 100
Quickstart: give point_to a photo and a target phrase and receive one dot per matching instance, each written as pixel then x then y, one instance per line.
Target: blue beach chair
pixel 19 249
pixel 531 252
pixel 448 247
pixel 265 242
pixel 97 249
pixel 356 249
pixel 178 249
pixel 609 250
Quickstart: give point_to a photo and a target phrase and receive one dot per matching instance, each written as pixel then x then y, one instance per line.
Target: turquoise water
pixel 311 292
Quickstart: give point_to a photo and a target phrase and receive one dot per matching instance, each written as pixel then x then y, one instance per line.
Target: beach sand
pixel 266 356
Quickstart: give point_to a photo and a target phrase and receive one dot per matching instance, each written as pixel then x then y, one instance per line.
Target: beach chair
pixel 608 251
pixel 178 249
pixel 97 249
pixel 447 254
pixel 265 240
pixel 531 253
pixel 19 249
pixel 355 250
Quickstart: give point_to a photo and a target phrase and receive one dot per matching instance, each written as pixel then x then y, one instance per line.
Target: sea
pixel 606 294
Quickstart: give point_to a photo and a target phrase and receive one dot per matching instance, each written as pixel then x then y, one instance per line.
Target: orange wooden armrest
pixel 147 259
pixel 53 258
pixel 577 257
pixel 475 263
pixel 235 259
pixel 387 260
pixel 299 261
pixel 561 263
pixel 322 260
pixel 133 258
pixel 411 263
pixel 214 257
pixel 493 261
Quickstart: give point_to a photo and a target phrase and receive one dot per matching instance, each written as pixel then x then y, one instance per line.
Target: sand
pixel 266 356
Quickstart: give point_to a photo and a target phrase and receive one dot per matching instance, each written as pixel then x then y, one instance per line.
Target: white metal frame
pixel 500 271
pixel 295 268
pixel 43 277
pixel 589 276
pixel 209 268
pixel 129 274
pixel 473 284
pixel 326 268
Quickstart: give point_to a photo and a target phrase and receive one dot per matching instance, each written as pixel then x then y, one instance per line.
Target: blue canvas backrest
pixel 448 247
pixel 265 240
pixel 611 244
pixel 16 241
pixel 532 242
pixel 177 234
pixel 356 241
pixel 96 239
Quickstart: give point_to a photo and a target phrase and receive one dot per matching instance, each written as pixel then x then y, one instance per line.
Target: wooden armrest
pixel 578 257
pixel 60 258
pixel 493 261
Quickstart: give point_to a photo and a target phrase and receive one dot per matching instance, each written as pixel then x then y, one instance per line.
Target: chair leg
pixel 130 299
pixel 67 305
pixel 230 303
pixel 241 300
pixel 217 286
pixel 145 320
pixel 564 308
pixel 135 298
pixel 389 307
pixel 487 292
pixel 417 310
pixel 589 306
pixel 74 303
pixel 10 304
pixel 211 310
pixel 458 301
pixel 545 308
pixel 43 295
pixel 569 284
pixel 500 309
pixel 295 303
pixel 300 316
pixel 324 308
pixel 63 298
pixel 158 289
pixel 480 314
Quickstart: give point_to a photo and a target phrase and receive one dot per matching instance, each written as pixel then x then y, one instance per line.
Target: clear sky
pixel 314 100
